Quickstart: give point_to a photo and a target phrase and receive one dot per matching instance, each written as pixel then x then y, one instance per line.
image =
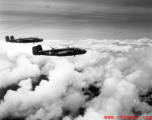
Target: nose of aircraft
pixel 84 51
pixel 40 40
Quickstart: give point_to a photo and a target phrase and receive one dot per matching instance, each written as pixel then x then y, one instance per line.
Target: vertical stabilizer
pixel 12 37
pixel 7 38
pixel 36 50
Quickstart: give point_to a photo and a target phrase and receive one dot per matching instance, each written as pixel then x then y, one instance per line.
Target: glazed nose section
pixel 40 40
pixel 84 51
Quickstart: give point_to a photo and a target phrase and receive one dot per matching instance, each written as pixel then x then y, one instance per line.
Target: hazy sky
pixel 76 19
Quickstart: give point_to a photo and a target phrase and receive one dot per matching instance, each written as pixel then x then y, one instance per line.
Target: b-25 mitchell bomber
pixel 37 50
pixel 23 40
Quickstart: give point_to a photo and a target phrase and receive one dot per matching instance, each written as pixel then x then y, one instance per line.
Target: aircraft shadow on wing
pixel 23 40
pixel 37 50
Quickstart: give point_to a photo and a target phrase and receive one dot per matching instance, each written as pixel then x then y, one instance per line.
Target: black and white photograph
pixel 75 59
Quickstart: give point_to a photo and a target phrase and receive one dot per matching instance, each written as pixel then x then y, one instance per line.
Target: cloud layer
pixel 112 78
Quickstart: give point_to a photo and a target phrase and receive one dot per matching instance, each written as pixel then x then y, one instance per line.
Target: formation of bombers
pixel 37 50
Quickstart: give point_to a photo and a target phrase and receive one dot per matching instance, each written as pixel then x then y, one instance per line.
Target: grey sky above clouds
pixel 76 19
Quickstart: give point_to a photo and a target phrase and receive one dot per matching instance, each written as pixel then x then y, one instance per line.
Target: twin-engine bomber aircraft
pixel 23 40
pixel 37 50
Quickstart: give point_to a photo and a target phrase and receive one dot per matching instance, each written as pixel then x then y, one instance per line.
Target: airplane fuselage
pixel 37 50
pixel 23 40
pixel 63 52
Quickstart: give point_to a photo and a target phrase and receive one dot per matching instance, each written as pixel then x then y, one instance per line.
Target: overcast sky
pixel 76 19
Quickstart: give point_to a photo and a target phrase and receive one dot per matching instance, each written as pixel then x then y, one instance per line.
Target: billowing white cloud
pixel 112 78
